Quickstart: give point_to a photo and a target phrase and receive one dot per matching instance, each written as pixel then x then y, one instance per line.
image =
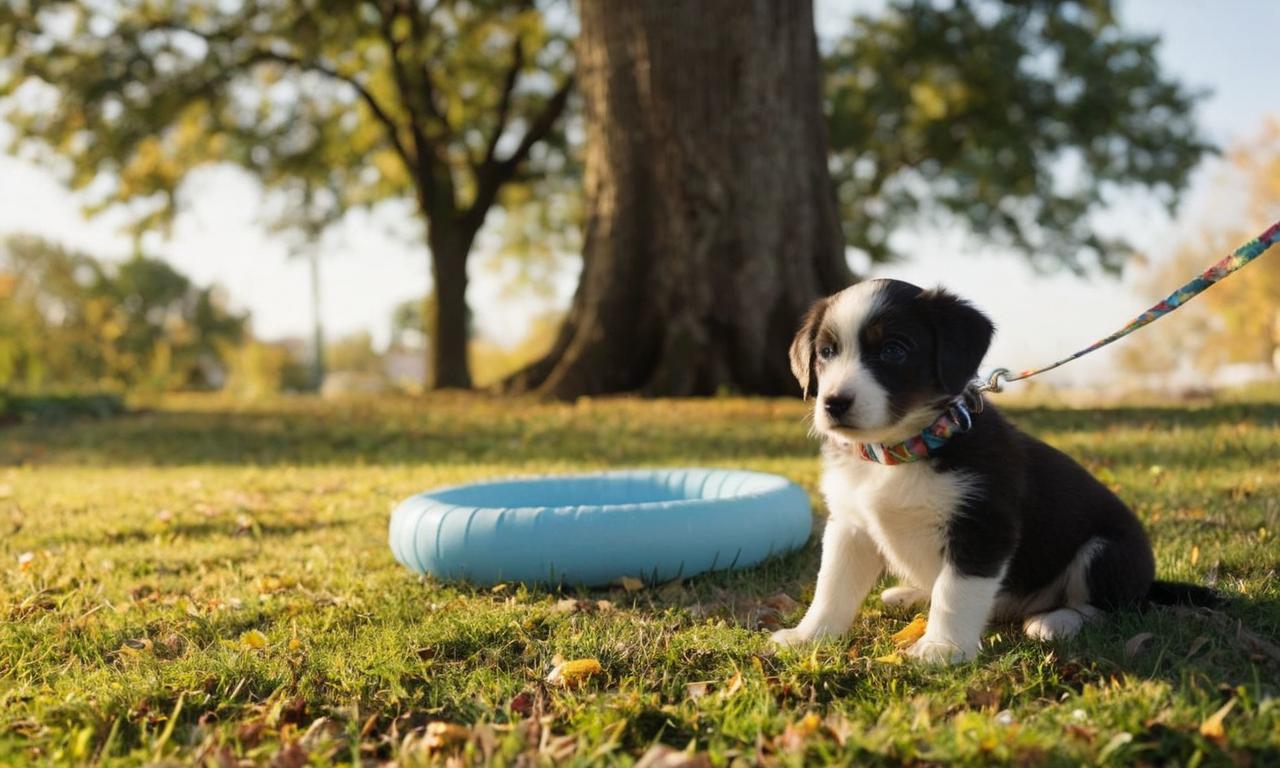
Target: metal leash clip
pixel 993 384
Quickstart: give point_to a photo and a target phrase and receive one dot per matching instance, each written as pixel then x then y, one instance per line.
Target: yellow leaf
pixel 892 658
pixel 1195 554
pixel 1212 727
pixel 808 724
pixel 630 583
pixel 573 672
pixel 253 640
pixel 910 633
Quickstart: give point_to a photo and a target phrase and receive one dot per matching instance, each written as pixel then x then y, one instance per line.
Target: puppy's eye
pixel 827 351
pixel 893 352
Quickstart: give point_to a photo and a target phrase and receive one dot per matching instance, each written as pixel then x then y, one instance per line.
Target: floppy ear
pixel 961 335
pixel 802 347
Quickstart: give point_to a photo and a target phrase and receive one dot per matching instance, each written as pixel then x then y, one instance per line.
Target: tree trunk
pixel 449 248
pixel 711 218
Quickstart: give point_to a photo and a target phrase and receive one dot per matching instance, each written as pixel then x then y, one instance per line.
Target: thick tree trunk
pixel 449 249
pixel 711 219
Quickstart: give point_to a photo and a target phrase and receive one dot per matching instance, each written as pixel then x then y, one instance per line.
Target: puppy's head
pixel 881 358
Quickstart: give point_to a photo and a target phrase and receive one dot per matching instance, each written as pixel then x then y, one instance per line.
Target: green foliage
pixel 367 100
pixel 140 558
pixel 69 320
pixel 1017 118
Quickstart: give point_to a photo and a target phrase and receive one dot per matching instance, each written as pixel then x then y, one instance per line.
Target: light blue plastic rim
pixel 532 531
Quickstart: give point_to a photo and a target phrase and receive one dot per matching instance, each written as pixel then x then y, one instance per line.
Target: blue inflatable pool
pixel 593 529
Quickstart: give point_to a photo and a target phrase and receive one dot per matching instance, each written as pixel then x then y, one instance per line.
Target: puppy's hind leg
pixel 1061 624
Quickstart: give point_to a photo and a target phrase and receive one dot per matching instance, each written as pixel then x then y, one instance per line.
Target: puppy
pixel 924 479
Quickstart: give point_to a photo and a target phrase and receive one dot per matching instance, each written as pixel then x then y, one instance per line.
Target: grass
pixel 205 583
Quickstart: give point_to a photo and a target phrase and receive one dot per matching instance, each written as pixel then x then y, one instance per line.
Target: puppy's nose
pixel 836 405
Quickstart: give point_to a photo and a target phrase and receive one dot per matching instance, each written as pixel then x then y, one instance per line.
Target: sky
pixel 373 262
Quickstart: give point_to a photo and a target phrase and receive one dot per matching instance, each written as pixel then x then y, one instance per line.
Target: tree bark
pixel 450 246
pixel 711 217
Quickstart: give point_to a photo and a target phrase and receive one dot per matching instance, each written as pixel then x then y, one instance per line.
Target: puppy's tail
pixel 1183 593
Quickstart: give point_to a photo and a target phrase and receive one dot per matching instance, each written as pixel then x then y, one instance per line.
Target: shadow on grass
pixel 476 430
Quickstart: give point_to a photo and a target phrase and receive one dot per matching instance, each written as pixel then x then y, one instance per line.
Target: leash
pixel 1238 258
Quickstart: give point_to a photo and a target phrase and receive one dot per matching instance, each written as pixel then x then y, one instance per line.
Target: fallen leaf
pixel 796 734
pixel 25 560
pixel 574 672
pixel 892 658
pixel 253 640
pixel 1196 645
pixel 909 634
pixel 662 756
pixel 1195 554
pixel 782 602
pixel 291 755
pixel 630 583
pixel 441 735
pixel 697 690
pixel 1212 727
pixel 1133 646
pixel 522 704
pixel 733 686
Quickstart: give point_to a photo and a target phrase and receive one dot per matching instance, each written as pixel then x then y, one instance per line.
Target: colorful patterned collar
pixel 955 420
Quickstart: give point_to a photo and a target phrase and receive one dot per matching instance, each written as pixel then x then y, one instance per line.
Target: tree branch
pixel 371 101
pixel 497 172
pixel 504 101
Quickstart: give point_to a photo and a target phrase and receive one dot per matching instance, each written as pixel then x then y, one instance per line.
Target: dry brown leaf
pixel 909 634
pixel 733 686
pixel 1196 645
pixel 630 583
pixel 662 756
pixel 1133 646
pixel 1212 727
pixel 441 735
pixel 782 602
pixel 698 689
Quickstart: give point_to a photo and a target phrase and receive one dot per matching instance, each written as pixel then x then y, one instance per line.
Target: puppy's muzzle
pixel 837 405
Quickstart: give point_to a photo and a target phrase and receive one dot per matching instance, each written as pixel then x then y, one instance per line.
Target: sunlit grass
pixel 211 582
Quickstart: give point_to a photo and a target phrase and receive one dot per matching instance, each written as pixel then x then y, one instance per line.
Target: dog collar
pixel 955 420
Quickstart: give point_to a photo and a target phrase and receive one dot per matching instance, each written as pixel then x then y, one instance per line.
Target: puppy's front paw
pixel 933 651
pixel 790 638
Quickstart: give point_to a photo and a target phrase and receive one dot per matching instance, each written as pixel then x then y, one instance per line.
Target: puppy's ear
pixel 802 351
pixel 961 336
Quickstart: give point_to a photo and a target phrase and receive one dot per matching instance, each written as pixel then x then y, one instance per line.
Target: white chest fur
pixel 904 508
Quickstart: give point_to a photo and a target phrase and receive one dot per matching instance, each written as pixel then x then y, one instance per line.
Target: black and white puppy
pixel 991 525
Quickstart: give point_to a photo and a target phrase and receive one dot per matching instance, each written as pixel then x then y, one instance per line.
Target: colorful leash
pixel 1242 256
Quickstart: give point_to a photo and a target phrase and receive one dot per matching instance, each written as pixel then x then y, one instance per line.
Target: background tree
pixel 441 103
pixel 710 222
pixel 77 322
pixel 1013 117
pixel 710 219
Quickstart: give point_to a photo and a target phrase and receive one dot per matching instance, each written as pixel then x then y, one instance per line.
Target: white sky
pixel 372 263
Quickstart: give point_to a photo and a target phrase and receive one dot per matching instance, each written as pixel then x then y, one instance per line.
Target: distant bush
pixel 59 407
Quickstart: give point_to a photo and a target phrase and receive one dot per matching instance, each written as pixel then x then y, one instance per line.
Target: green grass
pixel 139 557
